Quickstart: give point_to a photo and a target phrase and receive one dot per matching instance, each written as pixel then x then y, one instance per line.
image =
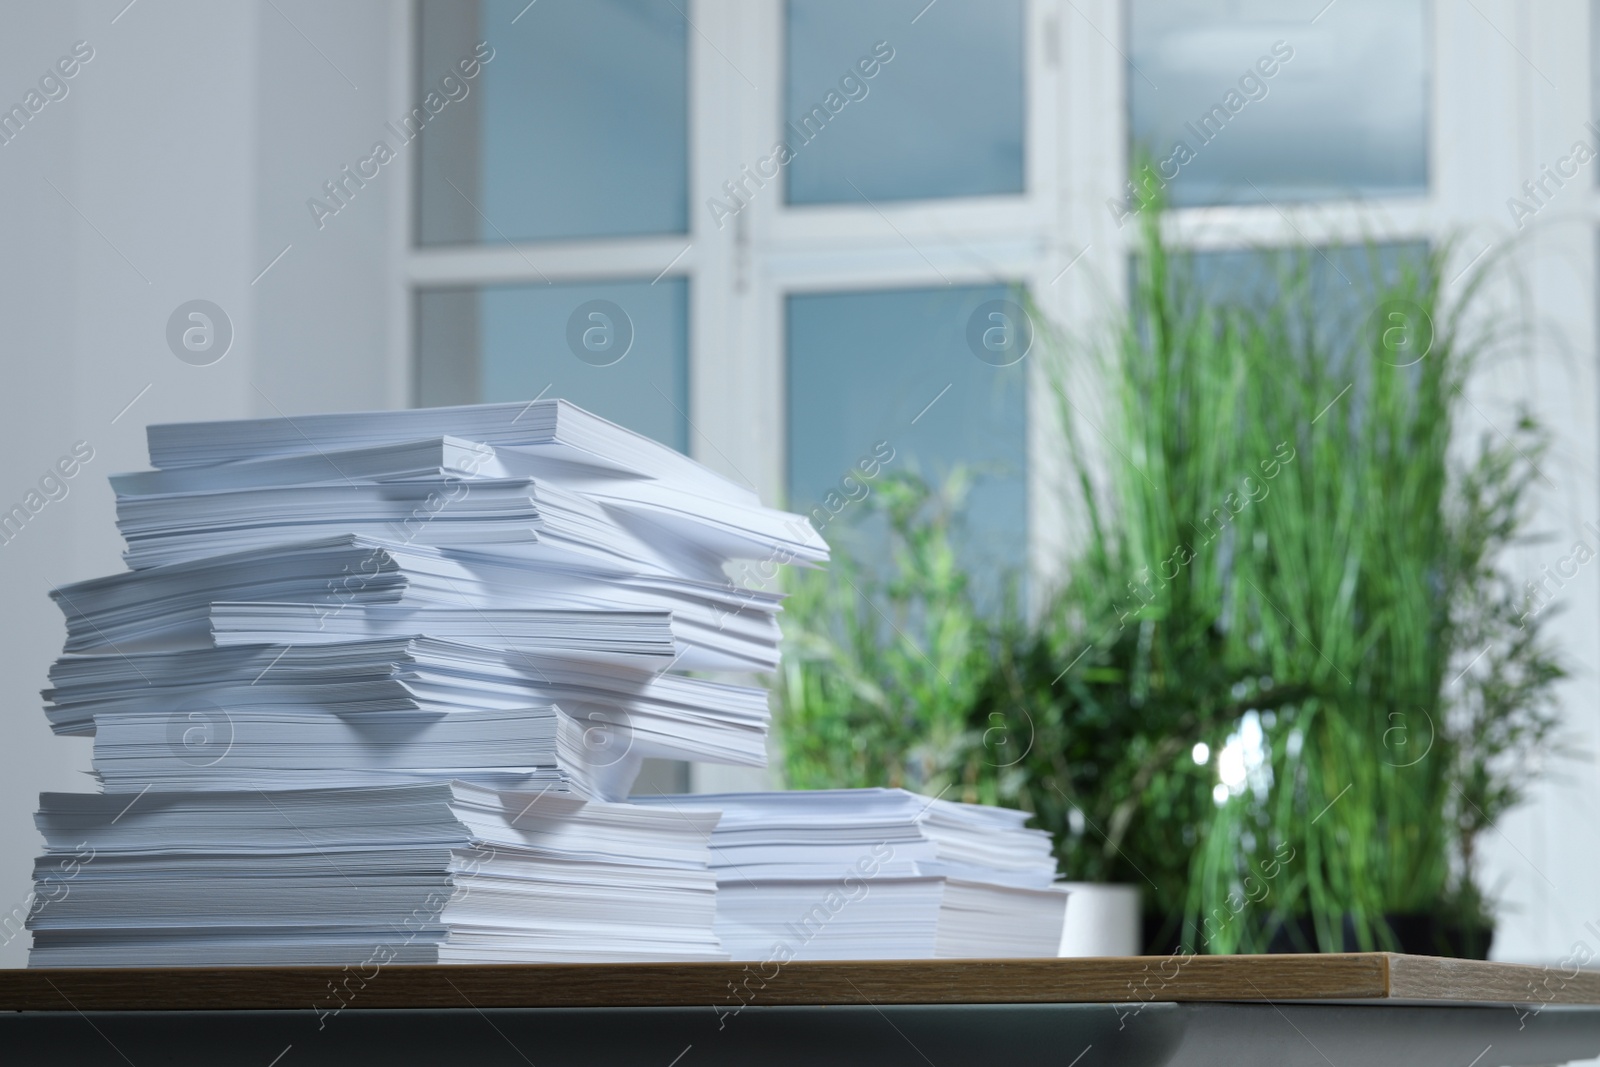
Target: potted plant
pixel 1310 568
pixel 1286 683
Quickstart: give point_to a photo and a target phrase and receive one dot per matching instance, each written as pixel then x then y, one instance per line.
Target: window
pixel 618 348
pixel 1340 278
pixel 893 371
pixel 577 127
pixel 1263 99
pixel 989 153
pixel 1594 65
pixel 563 126
pixel 791 217
pixel 941 115
pixel 590 222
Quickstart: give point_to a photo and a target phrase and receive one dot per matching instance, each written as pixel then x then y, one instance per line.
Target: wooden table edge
pixel 1342 977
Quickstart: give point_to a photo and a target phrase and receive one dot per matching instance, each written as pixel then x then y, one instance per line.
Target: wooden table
pixel 1347 1010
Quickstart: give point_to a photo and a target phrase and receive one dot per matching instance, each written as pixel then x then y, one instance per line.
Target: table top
pixel 1343 977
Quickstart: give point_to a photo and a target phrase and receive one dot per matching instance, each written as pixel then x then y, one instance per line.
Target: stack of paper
pixel 351 586
pixel 376 686
pixel 375 667
pixel 404 470
pixel 377 569
pixel 398 684
pixel 877 874
pixel 436 873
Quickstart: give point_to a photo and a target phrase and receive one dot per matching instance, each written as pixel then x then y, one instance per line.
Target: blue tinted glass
pixel 1341 277
pixel 1594 65
pixel 880 106
pixel 1226 93
pixel 575 126
pixel 898 367
pixel 1341 280
pixel 619 349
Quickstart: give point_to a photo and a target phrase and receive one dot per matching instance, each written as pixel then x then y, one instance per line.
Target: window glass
pixel 897 373
pixel 902 99
pixel 619 349
pixel 1242 100
pixel 1340 281
pixel 1594 66
pixel 574 125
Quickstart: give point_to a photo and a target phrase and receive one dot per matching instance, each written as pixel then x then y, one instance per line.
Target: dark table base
pixel 1084 1035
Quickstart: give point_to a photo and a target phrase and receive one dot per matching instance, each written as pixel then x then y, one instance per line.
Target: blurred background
pixel 864 257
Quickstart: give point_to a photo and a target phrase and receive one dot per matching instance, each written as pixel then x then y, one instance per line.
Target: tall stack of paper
pixel 386 665
pixel 877 874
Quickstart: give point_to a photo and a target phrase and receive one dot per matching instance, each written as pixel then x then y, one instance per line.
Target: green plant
pixel 1326 570
pixel 882 659
pixel 1285 682
pixel 893 674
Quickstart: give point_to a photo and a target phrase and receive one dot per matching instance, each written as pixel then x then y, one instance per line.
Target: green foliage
pixel 1286 535
pixel 882 664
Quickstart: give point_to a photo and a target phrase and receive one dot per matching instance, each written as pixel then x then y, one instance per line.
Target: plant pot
pixel 1417 935
pixel 1102 920
pixel 1159 935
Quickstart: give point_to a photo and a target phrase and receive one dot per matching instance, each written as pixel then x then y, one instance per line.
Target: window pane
pixel 1341 279
pixel 879 106
pixel 575 126
pixel 897 366
pixel 1594 65
pixel 1224 95
pixel 619 349
pixel 1339 282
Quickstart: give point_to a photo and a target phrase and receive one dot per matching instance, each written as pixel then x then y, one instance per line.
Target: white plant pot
pixel 1102 920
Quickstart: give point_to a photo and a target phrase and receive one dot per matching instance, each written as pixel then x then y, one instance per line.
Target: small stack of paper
pixel 399 669
pixel 877 874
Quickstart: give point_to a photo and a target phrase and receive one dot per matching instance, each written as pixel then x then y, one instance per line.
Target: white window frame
pixel 740 274
pixel 1495 115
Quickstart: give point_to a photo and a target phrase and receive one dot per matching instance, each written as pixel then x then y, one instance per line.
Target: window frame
pixel 741 274
pixel 1485 91
pixel 1057 237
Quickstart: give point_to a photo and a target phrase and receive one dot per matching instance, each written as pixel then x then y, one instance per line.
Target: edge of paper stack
pixel 375 687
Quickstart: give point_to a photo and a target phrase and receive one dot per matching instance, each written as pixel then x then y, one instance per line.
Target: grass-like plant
pixel 883 658
pixel 1316 569
pixel 1289 552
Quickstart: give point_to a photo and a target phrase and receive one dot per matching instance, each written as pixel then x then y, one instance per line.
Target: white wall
pixel 324 312
pixel 38 289
pixel 1512 94
pixel 189 144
